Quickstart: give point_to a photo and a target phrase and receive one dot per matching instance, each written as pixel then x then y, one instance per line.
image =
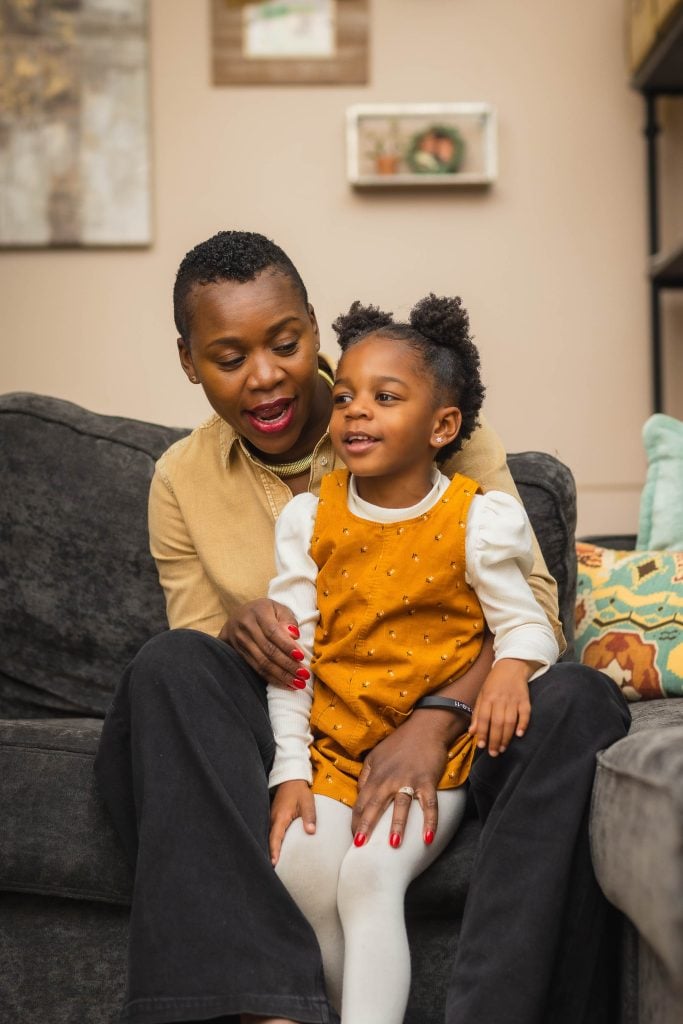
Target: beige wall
pixel 550 262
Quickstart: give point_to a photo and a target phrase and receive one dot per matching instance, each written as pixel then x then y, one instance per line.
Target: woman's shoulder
pixel 193 449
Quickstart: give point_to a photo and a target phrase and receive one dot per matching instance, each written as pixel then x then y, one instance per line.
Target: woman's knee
pixel 570 689
pixel 172 664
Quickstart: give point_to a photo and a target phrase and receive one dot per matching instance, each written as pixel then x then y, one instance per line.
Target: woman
pixel 187 744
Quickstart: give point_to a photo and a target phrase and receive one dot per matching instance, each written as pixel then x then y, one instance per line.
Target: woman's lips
pixel 272 417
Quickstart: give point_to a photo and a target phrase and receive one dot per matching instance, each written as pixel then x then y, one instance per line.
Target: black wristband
pixel 446 703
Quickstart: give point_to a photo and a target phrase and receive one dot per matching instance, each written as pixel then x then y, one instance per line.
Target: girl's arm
pixel 499 559
pixel 483 458
pixel 294 586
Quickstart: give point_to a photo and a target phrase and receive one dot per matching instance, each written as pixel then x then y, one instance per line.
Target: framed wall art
pixel 420 144
pixel 74 138
pixel 290 42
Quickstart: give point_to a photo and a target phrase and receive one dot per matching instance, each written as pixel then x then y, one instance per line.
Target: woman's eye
pixel 231 364
pixel 286 348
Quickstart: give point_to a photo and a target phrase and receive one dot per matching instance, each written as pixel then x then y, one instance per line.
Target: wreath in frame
pixel 438 149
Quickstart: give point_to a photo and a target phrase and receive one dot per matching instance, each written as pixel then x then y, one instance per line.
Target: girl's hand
pixel 292 800
pixel 502 709
pixel 265 634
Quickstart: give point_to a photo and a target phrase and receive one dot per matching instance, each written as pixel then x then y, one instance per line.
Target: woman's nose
pixel 264 373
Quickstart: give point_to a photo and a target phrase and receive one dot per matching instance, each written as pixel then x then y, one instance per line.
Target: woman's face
pixel 253 347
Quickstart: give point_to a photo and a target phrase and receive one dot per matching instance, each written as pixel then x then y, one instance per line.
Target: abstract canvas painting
pixel 74 139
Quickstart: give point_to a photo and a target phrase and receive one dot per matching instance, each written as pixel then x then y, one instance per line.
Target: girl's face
pixel 386 423
pixel 253 347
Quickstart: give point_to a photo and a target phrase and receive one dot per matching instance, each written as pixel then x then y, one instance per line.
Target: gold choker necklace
pixel 286 469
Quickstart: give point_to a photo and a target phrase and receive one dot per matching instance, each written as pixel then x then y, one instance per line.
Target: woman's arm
pixel 192 602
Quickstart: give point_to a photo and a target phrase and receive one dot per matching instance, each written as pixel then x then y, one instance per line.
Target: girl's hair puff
pixel 439 331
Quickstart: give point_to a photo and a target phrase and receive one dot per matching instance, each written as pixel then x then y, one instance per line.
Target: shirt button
pixel 324 460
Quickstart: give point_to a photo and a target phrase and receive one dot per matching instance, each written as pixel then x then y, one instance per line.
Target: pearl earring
pixel 194 380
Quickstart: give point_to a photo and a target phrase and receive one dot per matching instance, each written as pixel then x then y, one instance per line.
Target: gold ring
pixel 408 790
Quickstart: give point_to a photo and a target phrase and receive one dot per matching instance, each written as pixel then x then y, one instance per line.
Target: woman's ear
pixel 186 361
pixel 447 423
pixel 316 329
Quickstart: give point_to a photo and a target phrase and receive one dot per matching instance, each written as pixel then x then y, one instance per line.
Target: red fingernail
pixel 429 837
pixel 297 655
pixel 302 673
pixel 294 631
pixel 359 838
pixel 394 840
pixel 298 684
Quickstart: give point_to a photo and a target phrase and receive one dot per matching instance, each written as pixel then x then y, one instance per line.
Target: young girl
pixel 392 574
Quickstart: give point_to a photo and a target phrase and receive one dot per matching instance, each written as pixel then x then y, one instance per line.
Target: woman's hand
pixel 265 634
pixel 413 755
pixel 292 800
pixel 416 755
pixel 502 708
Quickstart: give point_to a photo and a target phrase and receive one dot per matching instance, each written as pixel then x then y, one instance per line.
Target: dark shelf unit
pixel 660 74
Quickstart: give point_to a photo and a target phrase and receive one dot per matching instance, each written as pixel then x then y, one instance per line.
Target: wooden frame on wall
pixel 233 65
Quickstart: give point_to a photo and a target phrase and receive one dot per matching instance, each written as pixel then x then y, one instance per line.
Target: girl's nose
pixel 356 410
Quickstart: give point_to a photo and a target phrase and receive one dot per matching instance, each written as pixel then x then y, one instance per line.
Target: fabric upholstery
pixel 61 961
pixel 56 837
pixel 637 834
pixel 78 589
pixel 548 491
pixel 660 525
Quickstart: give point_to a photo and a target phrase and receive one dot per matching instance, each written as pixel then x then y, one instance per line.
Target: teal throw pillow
pixel 660 527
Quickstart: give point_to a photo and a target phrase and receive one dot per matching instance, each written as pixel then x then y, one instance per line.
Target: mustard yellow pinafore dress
pixel 397 621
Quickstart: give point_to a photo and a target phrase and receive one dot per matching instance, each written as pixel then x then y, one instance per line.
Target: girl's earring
pixel 438 440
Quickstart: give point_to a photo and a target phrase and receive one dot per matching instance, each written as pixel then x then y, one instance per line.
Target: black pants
pixel 183 765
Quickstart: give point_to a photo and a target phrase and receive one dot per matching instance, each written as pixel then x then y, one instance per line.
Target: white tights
pixel 353 899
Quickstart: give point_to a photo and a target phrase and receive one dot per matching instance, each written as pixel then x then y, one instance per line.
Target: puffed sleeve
pixel 294 586
pixel 483 458
pixel 500 556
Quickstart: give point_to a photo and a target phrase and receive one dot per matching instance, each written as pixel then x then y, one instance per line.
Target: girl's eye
pixel 341 399
pixel 385 397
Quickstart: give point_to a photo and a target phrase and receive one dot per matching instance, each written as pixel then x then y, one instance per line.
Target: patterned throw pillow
pixel 629 618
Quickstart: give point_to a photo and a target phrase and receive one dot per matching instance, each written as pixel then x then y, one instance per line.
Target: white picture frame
pixel 421 144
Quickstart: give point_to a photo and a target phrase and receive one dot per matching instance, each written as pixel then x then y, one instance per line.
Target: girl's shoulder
pixel 300 507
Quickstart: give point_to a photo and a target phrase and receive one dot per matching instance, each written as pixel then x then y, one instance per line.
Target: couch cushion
pixel 79 593
pixel 548 491
pixel 56 837
pixel 637 834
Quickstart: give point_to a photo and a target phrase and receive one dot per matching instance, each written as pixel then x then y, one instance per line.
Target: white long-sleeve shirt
pixel 499 557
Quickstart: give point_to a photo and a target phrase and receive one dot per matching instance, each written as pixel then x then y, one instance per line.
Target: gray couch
pixel 79 595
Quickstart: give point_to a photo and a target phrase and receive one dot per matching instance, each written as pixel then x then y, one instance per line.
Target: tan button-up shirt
pixel 212 511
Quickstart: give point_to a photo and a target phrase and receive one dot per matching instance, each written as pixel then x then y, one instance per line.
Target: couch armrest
pixel 637 837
